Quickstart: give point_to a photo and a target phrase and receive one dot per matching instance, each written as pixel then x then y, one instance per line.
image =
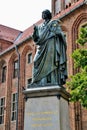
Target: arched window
pixel 4 69
pixel 84 25
pixel 29 58
pixel 15 68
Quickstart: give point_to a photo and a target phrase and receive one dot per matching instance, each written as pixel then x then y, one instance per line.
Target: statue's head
pixel 46 14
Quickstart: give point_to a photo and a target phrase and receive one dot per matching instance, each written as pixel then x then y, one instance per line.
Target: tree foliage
pixel 78 82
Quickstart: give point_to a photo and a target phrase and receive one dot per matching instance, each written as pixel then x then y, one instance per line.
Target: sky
pixel 20 14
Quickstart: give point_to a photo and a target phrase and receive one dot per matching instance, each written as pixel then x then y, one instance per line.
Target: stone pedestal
pixel 46 109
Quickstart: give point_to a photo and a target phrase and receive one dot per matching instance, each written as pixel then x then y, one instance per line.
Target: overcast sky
pixel 20 14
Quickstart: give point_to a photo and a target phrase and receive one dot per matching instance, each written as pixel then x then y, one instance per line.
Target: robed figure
pixel 50 65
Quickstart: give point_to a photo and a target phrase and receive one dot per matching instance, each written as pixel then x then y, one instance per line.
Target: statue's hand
pixel 35 27
pixel 35 33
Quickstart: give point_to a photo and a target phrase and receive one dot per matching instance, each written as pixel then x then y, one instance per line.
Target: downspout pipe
pixel 18 85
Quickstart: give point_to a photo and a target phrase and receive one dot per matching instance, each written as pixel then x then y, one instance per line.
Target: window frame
pixel 14 107
pixel 15 69
pixel 29 58
pixel 29 81
pixel 2 108
pixel 4 70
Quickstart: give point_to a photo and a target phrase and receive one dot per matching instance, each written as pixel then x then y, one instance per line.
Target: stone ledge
pixel 47 91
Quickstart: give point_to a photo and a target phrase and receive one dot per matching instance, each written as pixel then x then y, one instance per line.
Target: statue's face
pixel 44 15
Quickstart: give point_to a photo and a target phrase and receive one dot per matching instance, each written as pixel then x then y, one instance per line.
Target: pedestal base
pixel 46 109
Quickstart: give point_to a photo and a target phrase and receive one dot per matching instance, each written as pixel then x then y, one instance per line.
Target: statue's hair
pixel 49 15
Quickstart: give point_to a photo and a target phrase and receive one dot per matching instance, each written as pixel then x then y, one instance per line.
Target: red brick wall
pixel 10 86
pixel 70 24
pixel 4 45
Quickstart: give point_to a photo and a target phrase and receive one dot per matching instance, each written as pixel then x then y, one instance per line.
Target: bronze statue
pixel 50 58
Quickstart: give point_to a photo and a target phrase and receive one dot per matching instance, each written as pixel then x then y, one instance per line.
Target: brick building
pixel 16 45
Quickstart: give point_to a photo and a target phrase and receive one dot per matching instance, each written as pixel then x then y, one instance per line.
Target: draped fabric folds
pixel 51 52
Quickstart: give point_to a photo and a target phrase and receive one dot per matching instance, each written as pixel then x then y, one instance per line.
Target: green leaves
pixel 82 36
pixel 80 57
pixel 78 82
pixel 78 87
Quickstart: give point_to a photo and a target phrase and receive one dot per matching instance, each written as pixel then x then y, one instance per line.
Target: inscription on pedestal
pixel 42 114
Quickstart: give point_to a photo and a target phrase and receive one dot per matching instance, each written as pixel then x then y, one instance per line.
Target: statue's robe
pixel 50 56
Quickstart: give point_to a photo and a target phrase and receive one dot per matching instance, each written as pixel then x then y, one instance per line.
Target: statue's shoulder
pixel 54 22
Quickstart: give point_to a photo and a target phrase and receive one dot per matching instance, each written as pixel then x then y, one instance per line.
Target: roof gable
pixel 8 34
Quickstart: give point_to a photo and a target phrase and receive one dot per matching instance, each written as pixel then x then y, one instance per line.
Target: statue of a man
pixel 50 58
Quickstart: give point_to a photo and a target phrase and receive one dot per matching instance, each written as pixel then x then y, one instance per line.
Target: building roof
pixel 18 37
pixel 8 34
pixel 27 33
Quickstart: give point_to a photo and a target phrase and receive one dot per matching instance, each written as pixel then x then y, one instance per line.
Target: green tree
pixel 78 82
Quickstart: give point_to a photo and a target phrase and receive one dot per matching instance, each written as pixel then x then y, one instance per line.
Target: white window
pixel 15 69
pixel 4 69
pixel 29 58
pixel 14 106
pixel 2 106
